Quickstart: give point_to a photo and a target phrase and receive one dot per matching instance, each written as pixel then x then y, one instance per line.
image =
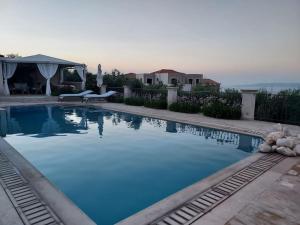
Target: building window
pixel 197 81
pixel 174 81
pixel 149 81
pixel 190 81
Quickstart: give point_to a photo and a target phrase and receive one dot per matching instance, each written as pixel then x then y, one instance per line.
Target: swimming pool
pixel 114 164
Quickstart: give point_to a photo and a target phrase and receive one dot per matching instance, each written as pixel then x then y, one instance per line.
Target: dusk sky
pixel 231 41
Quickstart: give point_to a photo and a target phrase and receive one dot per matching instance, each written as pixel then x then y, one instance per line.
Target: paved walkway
pixel 278 204
pixel 244 126
pixel 271 199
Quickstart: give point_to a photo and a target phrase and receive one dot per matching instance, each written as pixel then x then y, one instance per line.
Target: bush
pixel 91 83
pixel 156 104
pixel 218 109
pixel 283 107
pixel 184 107
pixel 138 101
pixel 134 83
pixel 116 99
pixel 66 89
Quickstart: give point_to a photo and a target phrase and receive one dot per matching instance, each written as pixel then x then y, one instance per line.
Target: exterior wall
pixel 161 77
pixel 140 77
pixel 166 78
pixel 194 78
pixel 149 76
pixel 179 77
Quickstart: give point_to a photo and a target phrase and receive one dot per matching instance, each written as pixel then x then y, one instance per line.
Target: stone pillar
pixel 103 89
pixel 248 104
pixel 127 92
pixel 172 95
pixel 3 122
pixel 1 80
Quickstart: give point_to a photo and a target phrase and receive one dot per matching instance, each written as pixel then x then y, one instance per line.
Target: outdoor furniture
pixel 86 98
pixel 21 87
pixel 37 89
pixel 74 96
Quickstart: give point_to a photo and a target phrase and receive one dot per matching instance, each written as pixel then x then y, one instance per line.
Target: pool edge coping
pixel 152 212
pixel 166 205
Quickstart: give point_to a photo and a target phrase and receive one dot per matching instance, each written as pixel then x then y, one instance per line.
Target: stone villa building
pixel 169 77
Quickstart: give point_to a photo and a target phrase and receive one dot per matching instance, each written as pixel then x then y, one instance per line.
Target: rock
pixel 273 136
pixel 286 131
pixel 277 127
pixel 285 142
pixel 265 148
pixel 286 151
pixel 293 172
pixel 296 140
pixel 274 147
pixel 297 149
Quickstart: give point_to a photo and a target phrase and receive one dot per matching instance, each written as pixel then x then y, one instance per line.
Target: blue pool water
pixel 114 164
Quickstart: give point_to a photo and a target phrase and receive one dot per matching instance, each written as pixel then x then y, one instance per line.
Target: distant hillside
pixel 271 87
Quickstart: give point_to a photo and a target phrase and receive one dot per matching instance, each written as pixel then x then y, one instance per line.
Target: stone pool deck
pixel 272 198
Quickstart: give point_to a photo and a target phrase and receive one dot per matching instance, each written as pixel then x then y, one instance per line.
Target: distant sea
pixel 270 87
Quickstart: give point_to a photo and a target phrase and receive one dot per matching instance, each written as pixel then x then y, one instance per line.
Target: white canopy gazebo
pixel 47 67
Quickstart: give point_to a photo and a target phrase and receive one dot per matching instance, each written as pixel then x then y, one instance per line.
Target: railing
pixel 203 97
pixel 150 94
pixel 196 98
pixel 283 108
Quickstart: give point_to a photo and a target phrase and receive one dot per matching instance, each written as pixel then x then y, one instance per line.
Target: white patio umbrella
pixel 50 127
pixel 99 77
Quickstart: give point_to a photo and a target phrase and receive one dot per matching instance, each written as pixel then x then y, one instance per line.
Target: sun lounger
pixel 95 96
pixel 79 95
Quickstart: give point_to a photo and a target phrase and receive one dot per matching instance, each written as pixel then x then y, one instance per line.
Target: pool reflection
pixel 52 120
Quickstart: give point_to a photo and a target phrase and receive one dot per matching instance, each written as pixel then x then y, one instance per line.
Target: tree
pixel 13 55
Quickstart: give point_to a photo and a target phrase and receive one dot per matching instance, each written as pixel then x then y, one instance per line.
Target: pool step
pixel 192 210
pixel 31 209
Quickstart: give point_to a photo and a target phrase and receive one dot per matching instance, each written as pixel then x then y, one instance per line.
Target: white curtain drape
pixel 47 70
pixel 82 73
pixel 8 71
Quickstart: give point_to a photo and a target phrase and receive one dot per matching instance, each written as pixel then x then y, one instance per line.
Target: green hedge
pixel 116 99
pixel 221 110
pixel 138 101
pixel 283 107
pixel 156 104
pixel 184 107
pixel 55 91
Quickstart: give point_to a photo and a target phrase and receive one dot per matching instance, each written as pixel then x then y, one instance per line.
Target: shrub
pixel 219 109
pixel 66 89
pixel 138 101
pixel 282 107
pixel 156 104
pixel 184 107
pixel 116 99
pixel 91 83
pixel 134 83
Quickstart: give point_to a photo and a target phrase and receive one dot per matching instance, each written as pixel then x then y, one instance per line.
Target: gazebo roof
pixel 41 59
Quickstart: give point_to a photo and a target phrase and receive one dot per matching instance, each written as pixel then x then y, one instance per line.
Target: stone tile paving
pixel 278 205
